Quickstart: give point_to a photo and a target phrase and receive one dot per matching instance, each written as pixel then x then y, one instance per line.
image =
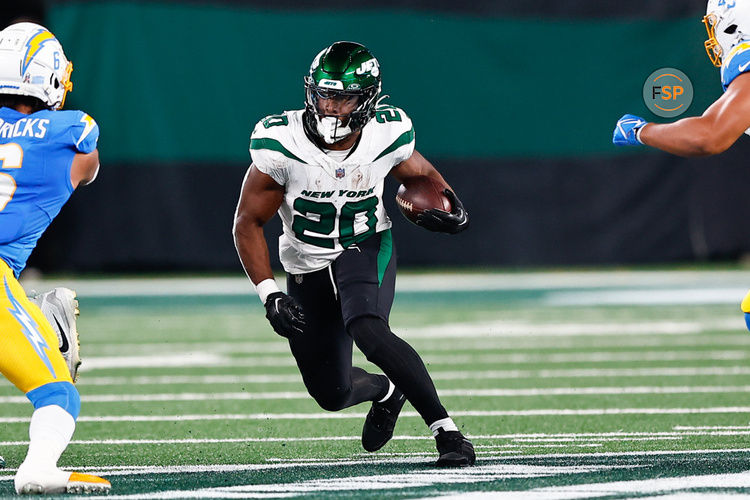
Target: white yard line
pixel 483 342
pixel 436 375
pixel 560 412
pixel 523 329
pixel 548 391
pixel 190 380
pixel 203 359
pixel 516 438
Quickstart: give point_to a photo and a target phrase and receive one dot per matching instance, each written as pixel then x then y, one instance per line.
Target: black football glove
pixel 284 314
pixel 441 221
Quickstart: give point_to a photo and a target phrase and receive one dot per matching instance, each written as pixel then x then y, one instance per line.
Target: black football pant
pixel 347 302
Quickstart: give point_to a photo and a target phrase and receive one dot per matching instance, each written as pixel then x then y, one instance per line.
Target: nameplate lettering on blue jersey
pixel 25 127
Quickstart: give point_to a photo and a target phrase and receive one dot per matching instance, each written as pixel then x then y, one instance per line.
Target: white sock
pixel 445 423
pixel 388 394
pixel 49 433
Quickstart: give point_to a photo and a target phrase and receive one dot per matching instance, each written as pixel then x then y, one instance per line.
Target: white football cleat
pixel 60 307
pixel 58 481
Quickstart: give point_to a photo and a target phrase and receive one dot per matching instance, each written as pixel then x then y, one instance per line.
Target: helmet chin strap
pixel 330 129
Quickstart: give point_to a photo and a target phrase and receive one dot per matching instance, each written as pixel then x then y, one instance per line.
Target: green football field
pixel 570 384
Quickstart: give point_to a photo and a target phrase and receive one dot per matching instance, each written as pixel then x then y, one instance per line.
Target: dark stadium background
pixel 514 102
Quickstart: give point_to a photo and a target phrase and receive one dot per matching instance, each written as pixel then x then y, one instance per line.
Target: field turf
pixel 570 384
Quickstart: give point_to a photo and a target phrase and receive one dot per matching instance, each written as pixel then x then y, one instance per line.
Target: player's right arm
pixel 260 198
pixel 713 132
pixel 84 169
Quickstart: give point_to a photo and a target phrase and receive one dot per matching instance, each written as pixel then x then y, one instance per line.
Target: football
pixel 421 193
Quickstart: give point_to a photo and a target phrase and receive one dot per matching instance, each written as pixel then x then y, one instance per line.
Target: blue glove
pixel 626 131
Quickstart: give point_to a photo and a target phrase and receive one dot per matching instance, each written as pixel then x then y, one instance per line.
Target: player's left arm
pixel 441 221
pixel 84 169
pixel 709 134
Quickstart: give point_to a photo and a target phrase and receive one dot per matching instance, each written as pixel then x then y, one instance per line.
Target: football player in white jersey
pixel 323 168
pixel 728 46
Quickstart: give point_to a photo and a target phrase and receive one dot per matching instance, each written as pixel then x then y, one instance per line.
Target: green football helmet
pixel 341 71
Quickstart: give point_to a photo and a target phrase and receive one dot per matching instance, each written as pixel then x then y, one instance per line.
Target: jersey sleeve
pixel 737 62
pixel 400 133
pixel 406 139
pixel 266 155
pixel 75 130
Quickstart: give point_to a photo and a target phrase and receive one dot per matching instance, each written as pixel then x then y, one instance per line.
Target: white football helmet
pixel 32 63
pixel 727 23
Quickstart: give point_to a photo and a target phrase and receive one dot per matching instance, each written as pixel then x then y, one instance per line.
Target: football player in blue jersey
pixel 45 155
pixel 728 46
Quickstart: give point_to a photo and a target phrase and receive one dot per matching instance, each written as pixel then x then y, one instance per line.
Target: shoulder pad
pixel 273 136
pixel 736 63
pixel 75 129
pixel 394 117
pixel 398 131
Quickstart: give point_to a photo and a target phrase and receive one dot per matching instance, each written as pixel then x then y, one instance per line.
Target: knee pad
pixel 62 394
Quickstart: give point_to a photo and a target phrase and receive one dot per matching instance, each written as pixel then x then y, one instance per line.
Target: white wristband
pixel 638 133
pixel 266 288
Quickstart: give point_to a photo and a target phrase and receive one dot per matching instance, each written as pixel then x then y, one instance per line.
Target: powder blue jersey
pixel 736 63
pixel 36 151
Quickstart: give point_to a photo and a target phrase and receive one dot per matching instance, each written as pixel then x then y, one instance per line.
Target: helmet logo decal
pixel 33 46
pixel 331 84
pixel 369 66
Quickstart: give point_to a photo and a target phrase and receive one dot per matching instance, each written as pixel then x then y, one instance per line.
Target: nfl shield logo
pixel 340 173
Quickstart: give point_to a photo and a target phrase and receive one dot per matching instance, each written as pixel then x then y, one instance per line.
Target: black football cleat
pixel 381 420
pixel 455 450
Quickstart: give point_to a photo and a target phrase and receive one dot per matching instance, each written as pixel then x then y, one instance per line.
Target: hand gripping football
pixel 421 193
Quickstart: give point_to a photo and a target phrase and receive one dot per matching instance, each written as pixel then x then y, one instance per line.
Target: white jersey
pixel 329 205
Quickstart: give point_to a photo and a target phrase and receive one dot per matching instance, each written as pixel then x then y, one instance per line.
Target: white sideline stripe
pixel 645 297
pixel 431 282
pixel 201 359
pixel 436 375
pixel 551 391
pixel 410 414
